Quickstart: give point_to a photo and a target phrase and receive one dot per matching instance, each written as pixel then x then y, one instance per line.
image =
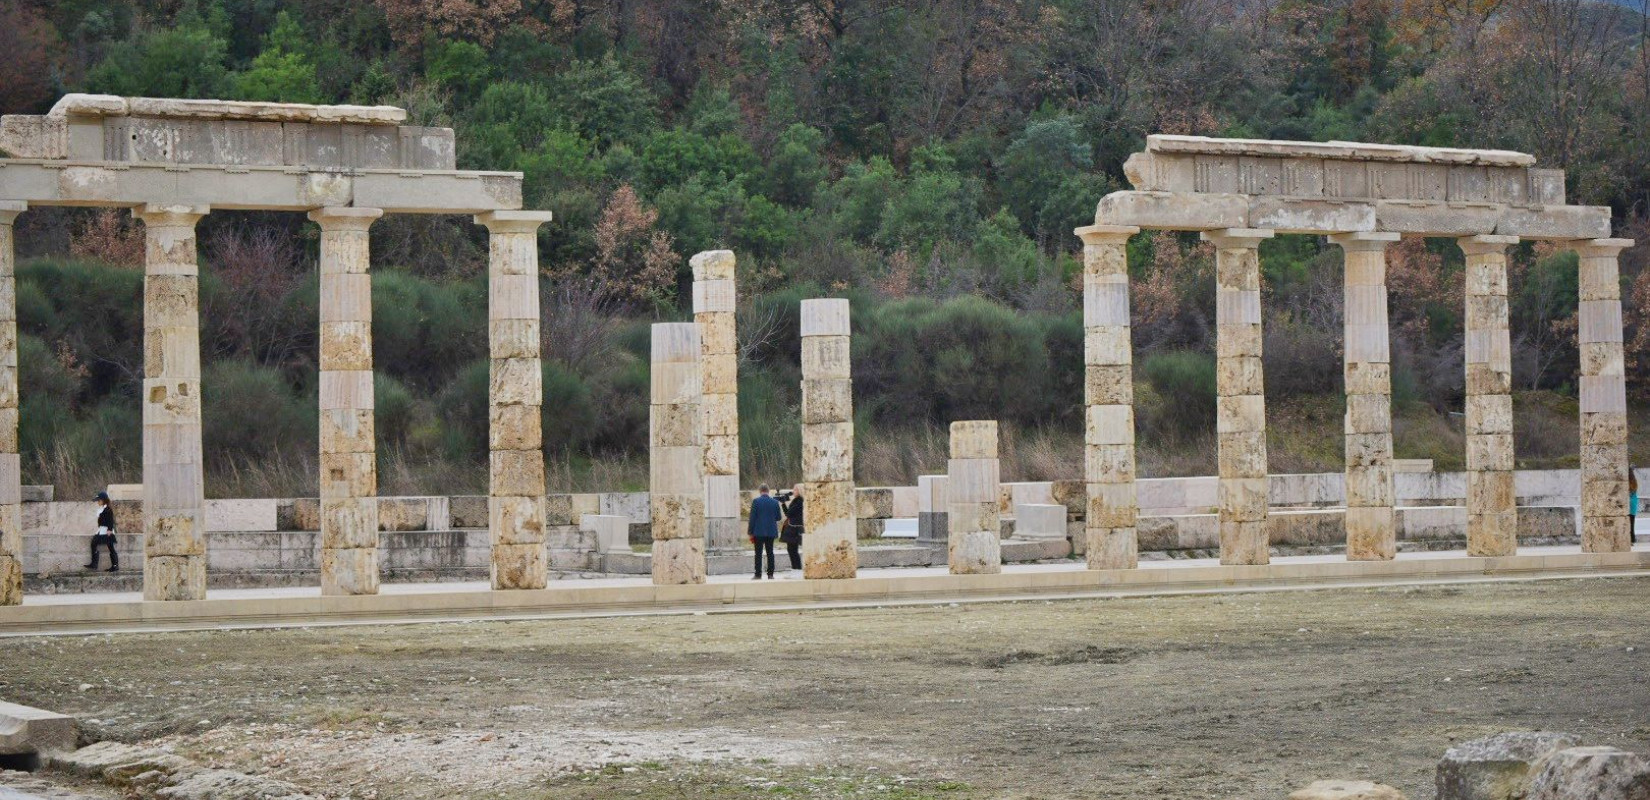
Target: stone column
pixel 1370 531
pixel 174 524
pixel 1605 526
pixel 713 312
pixel 1492 505
pixel 1108 399
pixel 974 511
pixel 515 398
pixel 829 512
pixel 1240 413
pixel 676 461
pixel 349 459
pixel 11 476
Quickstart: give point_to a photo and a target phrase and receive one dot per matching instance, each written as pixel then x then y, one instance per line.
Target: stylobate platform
pixel 423 602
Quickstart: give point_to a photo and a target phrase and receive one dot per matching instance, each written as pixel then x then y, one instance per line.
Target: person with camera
pixel 765 517
pixel 791 532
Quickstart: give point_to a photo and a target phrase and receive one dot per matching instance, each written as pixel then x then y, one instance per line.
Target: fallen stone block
pixel 1591 773
pixel 33 730
pixel 1497 767
pixel 99 759
pixel 1346 790
pixel 218 784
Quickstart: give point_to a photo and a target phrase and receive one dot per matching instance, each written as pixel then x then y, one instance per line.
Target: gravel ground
pixel 1231 696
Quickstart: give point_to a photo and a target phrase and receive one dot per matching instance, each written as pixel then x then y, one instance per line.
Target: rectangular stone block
pixel 825 317
pixel 1368 449
pixel 515 427
pixel 1490 492
pixel 874 503
pixel 717 334
pixel 1371 534
pixel 1606 534
pixel 719 415
pixel 516 473
pixel 1109 425
pixel 174 577
pixel 719 374
pixel 1108 384
pixel 827 501
pixel 828 550
pixel 973 480
pixel 1240 413
pixel 1489 414
pixel 721 455
pixel 714 296
pixel 828 451
pixel 1040 521
pixel 1368 378
pixel 827 400
pixel 1603 428
pixel 516 520
pixel 513 338
pixel 349 523
pixel 1244 543
pixel 1555 222
pixel 974 553
pixel 1108 463
pixel 676 470
pixel 974 439
pixel 722 496
pixel 1604 498
pixel 1238 340
pixel 679 561
pixel 347 430
pixel 1110 505
pixel 932 493
pixel 1368 413
pixel 516 381
pixel 346 346
pixel 179 533
pixel 1452 219
pixel 1174 210
pixel 519 566
pixel 1112 548
pixel 1369 486
pixel 826 357
pixel 513 297
pixel 1492 534
pixel 675 425
pixel 678 516
pixel 1242 454
pixel 673 383
pixel 1240 375
pixel 1106 304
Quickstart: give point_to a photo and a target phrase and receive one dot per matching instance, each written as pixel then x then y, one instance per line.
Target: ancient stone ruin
pixel 174 161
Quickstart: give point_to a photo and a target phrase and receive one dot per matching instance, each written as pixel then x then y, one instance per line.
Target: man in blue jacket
pixel 765 517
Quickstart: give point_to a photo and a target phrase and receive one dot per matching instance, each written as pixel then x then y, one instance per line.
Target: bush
pixel 423 331
pixel 251 411
pixel 1185 381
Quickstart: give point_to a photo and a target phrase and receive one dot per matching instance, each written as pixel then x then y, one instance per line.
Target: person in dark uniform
pixel 765 517
pixel 791 532
pixel 105 536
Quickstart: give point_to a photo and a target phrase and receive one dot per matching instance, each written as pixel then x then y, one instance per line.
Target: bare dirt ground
pixel 1234 696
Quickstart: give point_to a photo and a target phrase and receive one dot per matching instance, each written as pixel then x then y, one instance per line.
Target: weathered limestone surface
pixel 174 522
pixel 1370 532
pixel 349 461
pixel 830 516
pixel 1492 510
pixel 1240 414
pixel 25 729
pixel 1591 773
pixel 676 463
pixel 973 509
pixel 1108 399
pixel 11 479
pixel 515 397
pixel 1346 790
pixel 1605 526
pixel 1497 767
pixel 714 304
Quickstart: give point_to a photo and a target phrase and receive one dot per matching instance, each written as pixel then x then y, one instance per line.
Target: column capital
pixel 9 209
pixel 1600 248
pixel 1106 234
pixel 713 265
pixel 1364 240
pixel 512 221
pixel 1230 238
pixel 1485 243
pixel 345 218
pixel 158 214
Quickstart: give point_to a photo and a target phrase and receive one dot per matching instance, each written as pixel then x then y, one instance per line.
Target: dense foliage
pixel 930 160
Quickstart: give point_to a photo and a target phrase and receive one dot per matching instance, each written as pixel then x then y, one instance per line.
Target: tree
pixel 282 72
pixel 634 260
pixel 187 60
pixel 480 20
pixel 29 45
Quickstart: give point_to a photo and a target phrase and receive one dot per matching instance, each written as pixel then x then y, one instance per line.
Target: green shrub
pixel 248 411
pixel 1186 382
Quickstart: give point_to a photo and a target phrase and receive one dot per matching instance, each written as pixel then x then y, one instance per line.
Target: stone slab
pixel 24 729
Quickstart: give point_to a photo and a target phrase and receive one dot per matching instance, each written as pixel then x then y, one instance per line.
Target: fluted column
pixel 1370 531
pixel 1108 399
pixel 1240 412
pixel 676 458
pixel 974 511
pixel 11 477
pixel 1492 505
pixel 515 400
pixel 714 295
pixel 829 511
pixel 174 524
pixel 1605 526
pixel 349 459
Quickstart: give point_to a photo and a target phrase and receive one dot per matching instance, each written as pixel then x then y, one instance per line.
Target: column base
pixel 1490 535
pixel 519 566
pixel 1613 534
pixel 11 581
pixel 1370 534
pixel 174 577
pixel 832 561
pixel 349 571
pixel 975 553
pixel 678 561
pixel 1244 543
pixel 1112 548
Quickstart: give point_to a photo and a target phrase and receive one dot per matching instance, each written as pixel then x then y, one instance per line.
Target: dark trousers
pixel 764 545
pixel 794 550
pixel 105 540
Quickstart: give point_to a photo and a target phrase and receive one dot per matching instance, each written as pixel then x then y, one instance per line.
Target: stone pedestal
pixel 714 295
pixel 1371 534
pixel 11 478
pixel 1492 510
pixel 349 460
pixel 174 523
pixel 829 513
pixel 974 508
pixel 515 399
pixel 1240 414
pixel 676 459
pixel 1108 399
pixel 1605 526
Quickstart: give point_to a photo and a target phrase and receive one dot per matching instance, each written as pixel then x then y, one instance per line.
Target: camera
pixel 785 497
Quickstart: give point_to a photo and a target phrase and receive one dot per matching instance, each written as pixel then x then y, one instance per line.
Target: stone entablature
pixel 1197 183
pixel 143 130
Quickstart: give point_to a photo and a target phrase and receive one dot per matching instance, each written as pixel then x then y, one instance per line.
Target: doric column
pixel 1605 526
pixel 11 476
pixel 676 458
pixel 1492 505
pixel 515 399
pixel 828 511
pixel 1108 399
pixel 713 312
pixel 349 460
pixel 974 511
pixel 174 524
pixel 1240 412
pixel 1370 531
